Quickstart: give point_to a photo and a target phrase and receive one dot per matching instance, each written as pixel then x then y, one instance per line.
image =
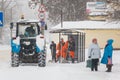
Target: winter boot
pixel 109 67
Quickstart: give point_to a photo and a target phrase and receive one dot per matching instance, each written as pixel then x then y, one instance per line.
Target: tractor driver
pixel 29 31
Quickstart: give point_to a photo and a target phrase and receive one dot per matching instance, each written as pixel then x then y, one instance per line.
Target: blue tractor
pixel 27 43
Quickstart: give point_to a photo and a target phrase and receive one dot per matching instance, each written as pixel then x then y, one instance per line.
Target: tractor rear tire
pixel 41 59
pixel 14 60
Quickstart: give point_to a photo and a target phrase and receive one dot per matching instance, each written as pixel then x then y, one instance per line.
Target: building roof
pixel 87 25
pixel 66 31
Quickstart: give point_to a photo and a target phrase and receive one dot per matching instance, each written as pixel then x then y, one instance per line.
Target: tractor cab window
pixel 29 30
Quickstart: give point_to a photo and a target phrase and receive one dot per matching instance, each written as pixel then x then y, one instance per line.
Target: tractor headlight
pixel 23 48
pixel 27 43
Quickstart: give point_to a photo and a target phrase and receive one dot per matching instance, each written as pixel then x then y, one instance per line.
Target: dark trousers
pixel 94 64
pixel 54 57
pixel 68 57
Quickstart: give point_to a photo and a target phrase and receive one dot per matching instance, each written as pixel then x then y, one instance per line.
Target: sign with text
pixel 96 8
pixel 1 19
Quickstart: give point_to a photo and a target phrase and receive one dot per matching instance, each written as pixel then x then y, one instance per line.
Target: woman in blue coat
pixel 108 50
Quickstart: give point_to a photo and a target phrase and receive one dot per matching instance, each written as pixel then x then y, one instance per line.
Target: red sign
pixel 41 14
pixel 41 8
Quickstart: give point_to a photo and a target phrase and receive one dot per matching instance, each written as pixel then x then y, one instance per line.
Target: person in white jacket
pixel 94 54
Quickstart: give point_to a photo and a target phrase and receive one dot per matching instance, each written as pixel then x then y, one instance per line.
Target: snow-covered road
pixel 55 71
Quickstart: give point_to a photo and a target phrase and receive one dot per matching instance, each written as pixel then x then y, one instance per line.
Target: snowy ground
pixel 55 71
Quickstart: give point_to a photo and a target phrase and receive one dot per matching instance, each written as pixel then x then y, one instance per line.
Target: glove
pixel 89 56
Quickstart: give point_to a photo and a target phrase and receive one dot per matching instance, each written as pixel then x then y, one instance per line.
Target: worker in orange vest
pixel 60 49
pixel 65 50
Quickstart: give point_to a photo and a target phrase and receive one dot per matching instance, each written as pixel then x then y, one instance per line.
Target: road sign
pixel 41 8
pixel 1 19
pixel 41 16
pixel 41 11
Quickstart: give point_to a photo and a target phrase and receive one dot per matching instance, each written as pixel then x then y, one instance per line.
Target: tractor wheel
pixel 41 59
pixel 15 60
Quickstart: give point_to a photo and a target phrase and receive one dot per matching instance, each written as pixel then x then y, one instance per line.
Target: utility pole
pixel 61 18
pixel 41 1
pixel 61 15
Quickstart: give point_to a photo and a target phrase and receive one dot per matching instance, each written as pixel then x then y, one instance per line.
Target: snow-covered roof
pixel 82 25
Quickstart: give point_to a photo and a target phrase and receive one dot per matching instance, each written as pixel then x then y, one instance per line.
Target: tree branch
pixel 8 4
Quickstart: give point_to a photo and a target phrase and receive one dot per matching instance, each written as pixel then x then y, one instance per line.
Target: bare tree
pixel 6 7
pixel 72 10
pixel 113 9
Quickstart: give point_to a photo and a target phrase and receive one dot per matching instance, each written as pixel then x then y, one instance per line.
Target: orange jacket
pixel 59 45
